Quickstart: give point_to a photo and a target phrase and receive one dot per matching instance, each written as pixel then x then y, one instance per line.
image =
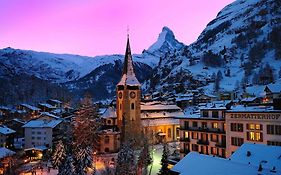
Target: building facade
pixel 204 132
pixel 41 133
pixel 253 124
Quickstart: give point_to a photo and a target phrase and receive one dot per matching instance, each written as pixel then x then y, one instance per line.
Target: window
pixel 133 106
pixel 215 125
pixel 186 135
pixel 214 150
pixel 194 135
pixel 205 114
pixel 109 122
pixel 38 132
pixel 186 124
pixel 194 147
pixel 32 132
pixel 274 143
pixel 236 141
pixel 38 138
pixel 238 127
pixel 214 137
pixel 32 138
pixel 273 129
pixel 194 124
pixel 215 114
pixel 253 126
pixel 169 133
pixel 106 150
pixel 204 125
pixel 106 139
pixel 254 136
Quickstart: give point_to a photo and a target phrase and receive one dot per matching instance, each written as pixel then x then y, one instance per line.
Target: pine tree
pixel 84 160
pixel 59 155
pixel 126 160
pixel 67 166
pixel 164 161
pixel 145 158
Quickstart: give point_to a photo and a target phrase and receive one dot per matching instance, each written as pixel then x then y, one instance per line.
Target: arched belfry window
pixel 132 105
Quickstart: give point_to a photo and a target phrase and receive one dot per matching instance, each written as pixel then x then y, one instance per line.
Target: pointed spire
pixel 128 74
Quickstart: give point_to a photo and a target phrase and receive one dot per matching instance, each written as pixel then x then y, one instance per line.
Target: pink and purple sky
pixel 98 27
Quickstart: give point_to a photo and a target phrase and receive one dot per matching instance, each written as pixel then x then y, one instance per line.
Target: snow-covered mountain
pixel 239 42
pixel 240 47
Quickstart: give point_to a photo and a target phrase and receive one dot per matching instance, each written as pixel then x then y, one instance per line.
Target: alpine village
pixel 212 107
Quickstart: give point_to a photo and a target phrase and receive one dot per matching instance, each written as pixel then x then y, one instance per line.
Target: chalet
pixel 16 124
pixel 6 136
pixel 32 110
pixel 46 107
pixel 272 91
pixel 204 98
pixel 251 101
pixel 55 103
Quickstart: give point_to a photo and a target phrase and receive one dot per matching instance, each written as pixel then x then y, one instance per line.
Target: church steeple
pixel 128 74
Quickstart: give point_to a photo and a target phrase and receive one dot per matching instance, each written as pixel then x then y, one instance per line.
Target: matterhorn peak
pixel 166 40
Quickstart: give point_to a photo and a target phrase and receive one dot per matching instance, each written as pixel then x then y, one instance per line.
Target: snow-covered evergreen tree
pixel 145 158
pixel 84 159
pixel 67 167
pixel 59 155
pixel 126 160
pixel 164 161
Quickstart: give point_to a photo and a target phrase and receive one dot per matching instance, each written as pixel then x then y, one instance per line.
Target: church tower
pixel 128 99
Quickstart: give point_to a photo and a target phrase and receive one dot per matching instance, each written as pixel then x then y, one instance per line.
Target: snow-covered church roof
pixel 128 74
pixel 109 113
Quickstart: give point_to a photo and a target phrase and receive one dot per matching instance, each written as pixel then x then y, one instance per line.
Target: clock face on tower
pixel 120 95
pixel 132 94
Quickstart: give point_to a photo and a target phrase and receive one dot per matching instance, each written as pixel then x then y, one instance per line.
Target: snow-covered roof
pixel 275 88
pixel 42 124
pixel 55 101
pixel 5 130
pixel 238 164
pixel 47 105
pixel 19 120
pixel 257 91
pixel 162 121
pixel 49 115
pixel 161 114
pixel 250 99
pixel 39 148
pixel 30 107
pixel 158 107
pixel 242 108
pixel 109 113
pixel 256 154
pixel 4 152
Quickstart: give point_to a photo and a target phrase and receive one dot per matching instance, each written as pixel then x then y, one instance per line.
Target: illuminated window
pixel 254 136
pixel 186 135
pixel 214 137
pixel 253 126
pixel 215 125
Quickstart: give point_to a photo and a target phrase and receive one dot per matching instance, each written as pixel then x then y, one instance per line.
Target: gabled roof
pixel 42 124
pixel 128 74
pixel 5 130
pixel 109 113
pixel 4 152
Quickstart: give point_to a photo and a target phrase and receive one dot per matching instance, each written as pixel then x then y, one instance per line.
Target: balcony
pixel 203 142
pixel 204 129
pixel 220 145
pixel 185 139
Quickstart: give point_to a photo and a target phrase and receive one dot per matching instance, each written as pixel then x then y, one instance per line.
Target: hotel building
pixel 254 124
pixel 204 132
